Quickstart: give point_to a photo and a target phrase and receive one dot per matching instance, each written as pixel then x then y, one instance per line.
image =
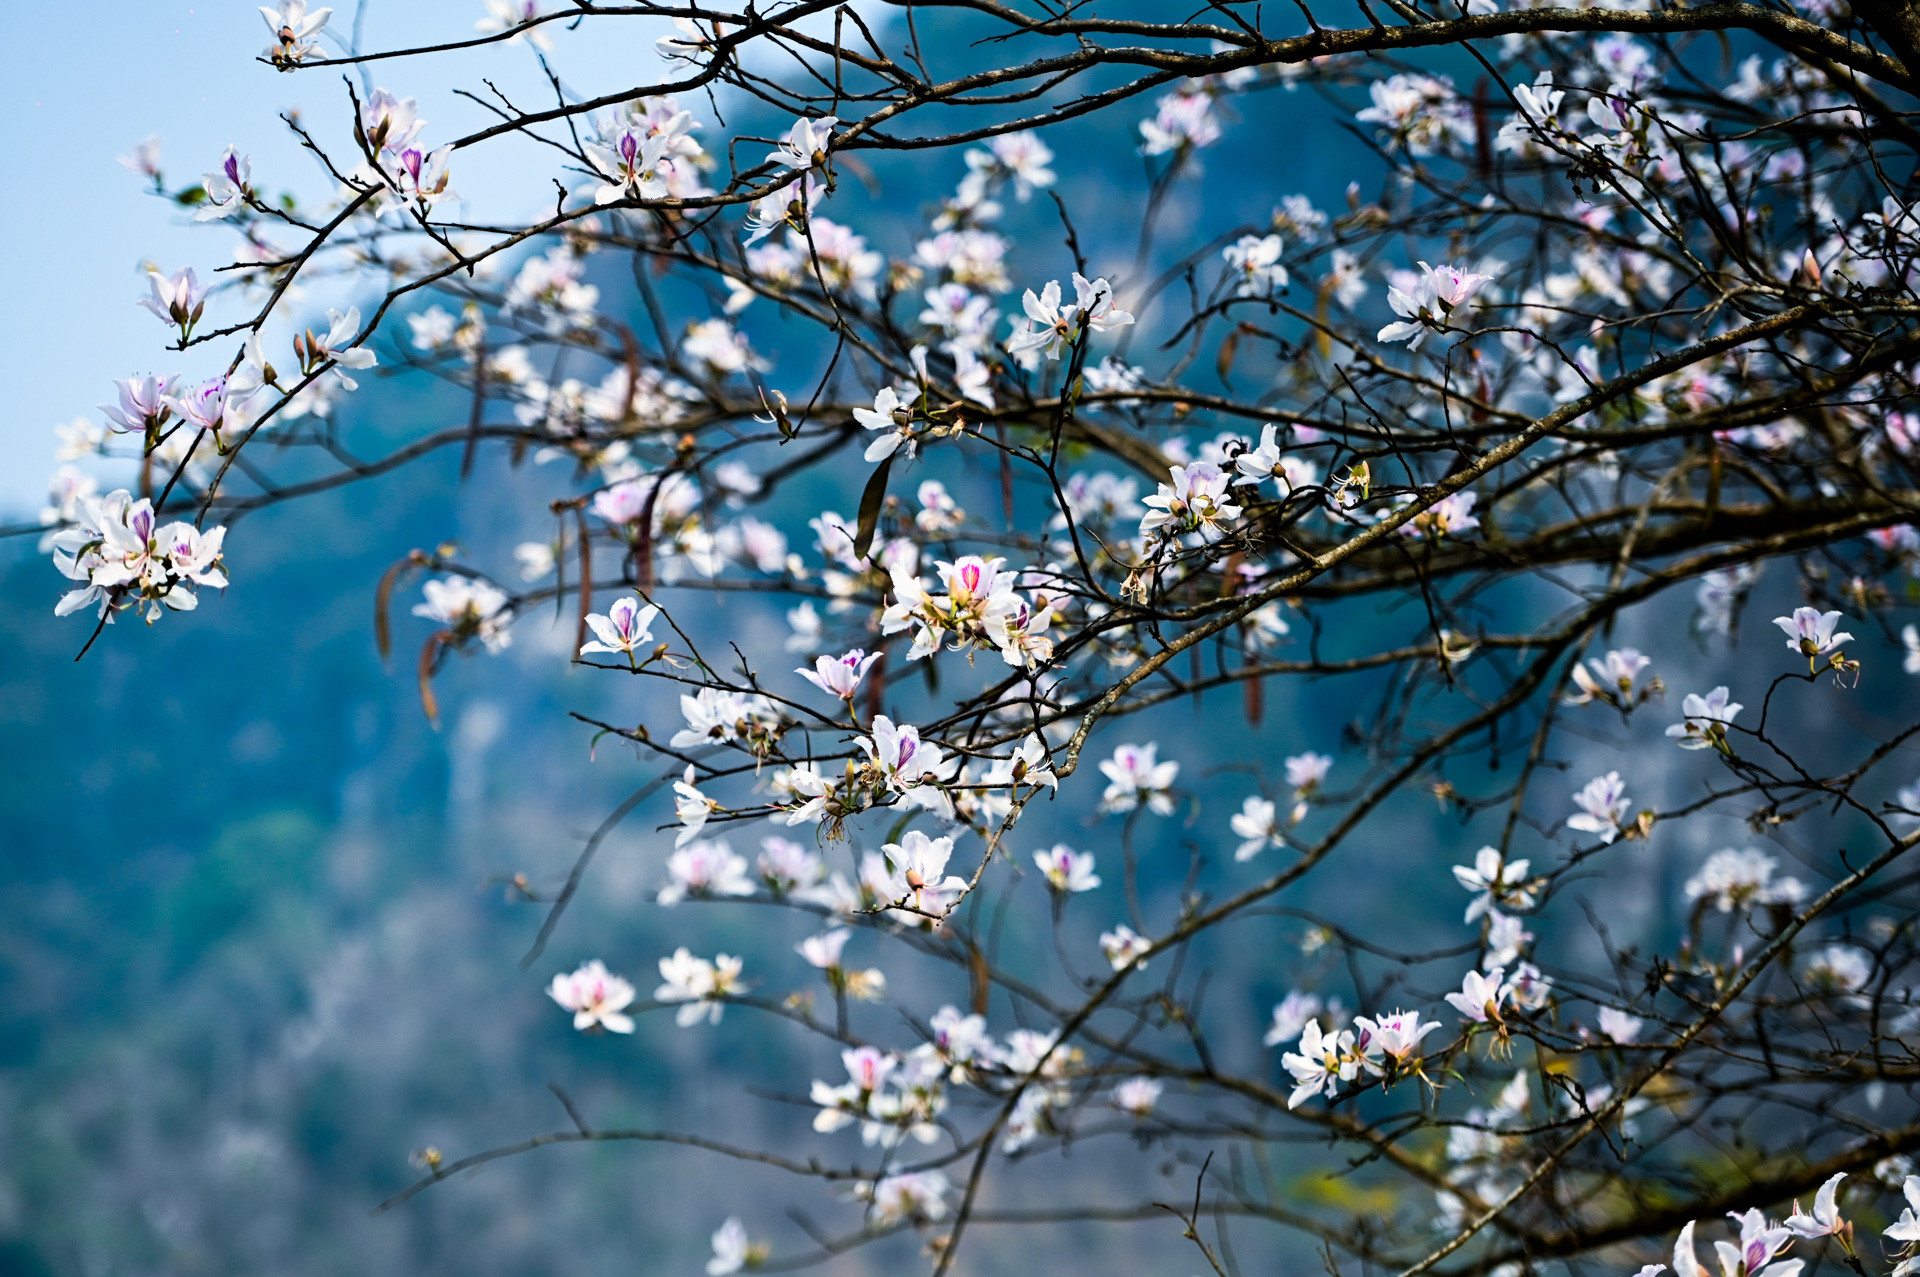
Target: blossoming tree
pixel 1632 321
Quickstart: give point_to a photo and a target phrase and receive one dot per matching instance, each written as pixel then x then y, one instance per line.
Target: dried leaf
pixel 428 651
pixel 870 503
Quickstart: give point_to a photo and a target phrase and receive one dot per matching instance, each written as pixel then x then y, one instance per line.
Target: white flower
pixel 1810 632
pixel 1137 1096
pixel 1052 327
pixel 1067 871
pixel 514 15
pixel 1258 826
pixel 1290 1017
pixel 732 1251
pixel 706 869
pixel 625 626
pixel 1480 996
pixel 806 144
pixel 1907 1227
pixel 1614 684
pixel 1254 261
pixel 1741 879
pixel 909 766
pixel 596 997
pixel 1135 775
pixel 919 865
pixel 1323 1061
pixel 894 416
pixel 1437 293
pixel 1602 804
pixel 1495 881
pixel 1122 947
pixel 293 30
pixel 824 950
pixel 1910 640
pixel 1618 1026
pixel 226 187
pixel 691 807
pixel 1825 1220
pixel 700 984
pixel 1198 500
pixel 469 608
pixel 1397 1034
pixel 1706 722
pixel 840 675
pixel 715 343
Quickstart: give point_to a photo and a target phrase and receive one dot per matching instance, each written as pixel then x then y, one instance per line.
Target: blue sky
pixel 88 80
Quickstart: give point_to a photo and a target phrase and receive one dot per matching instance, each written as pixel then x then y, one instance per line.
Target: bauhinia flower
pixel 840 675
pixel 1067 871
pixel 1137 1095
pixel 1438 293
pixel 1603 806
pixel 597 998
pixel 894 417
pixel 1123 947
pixel 705 870
pixel 143 407
pixel 1396 1034
pixel 1494 880
pixel 1611 680
pixel 178 299
pixel 1706 722
pixel 334 347
pixel 919 864
pixel 907 765
pixel 1257 825
pixel 1051 327
pixel 1198 500
pixel 633 163
pixel 732 1250
pixel 691 807
pixel 293 30
pixel 1480 996
pixel 1618 1026
pixel 702 985
pixel 1825 1220
pixel 1136 775
pixel 806 145
pixel 1322 1061
pixel 468 608
pixel 515 17
pixel 1253 263
pixel 226 187
pixel 1810 632
pixel 626 625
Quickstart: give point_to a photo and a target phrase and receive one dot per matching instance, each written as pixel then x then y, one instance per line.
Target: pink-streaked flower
pixel 1438 293
pixel 227 187
pixel 1396 1034
pixel 1198 500
pixel 907 765
pixel 1067 871
pixel 1052 327
pixel 1810 632
pixel 1135 775
pixel 1603 806
pixel 626 625
pixel 1123 948
pixel 597 998
pixel 178 299
pixel 840 675
pixel 706 870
